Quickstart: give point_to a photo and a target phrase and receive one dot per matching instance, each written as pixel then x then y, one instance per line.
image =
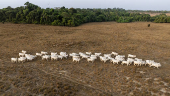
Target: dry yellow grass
pixel 85 79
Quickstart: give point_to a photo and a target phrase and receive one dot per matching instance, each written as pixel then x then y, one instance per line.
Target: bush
pixel 15 21
pixel 54 23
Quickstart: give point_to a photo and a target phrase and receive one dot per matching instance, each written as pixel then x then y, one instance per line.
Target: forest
pixel 61 16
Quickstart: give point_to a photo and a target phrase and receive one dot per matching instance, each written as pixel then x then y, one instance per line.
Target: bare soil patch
pixel 65 78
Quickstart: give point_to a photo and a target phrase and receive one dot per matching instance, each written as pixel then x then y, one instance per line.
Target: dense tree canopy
pixel 33 14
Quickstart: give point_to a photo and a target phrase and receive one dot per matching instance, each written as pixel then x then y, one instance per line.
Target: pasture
pixel 65 78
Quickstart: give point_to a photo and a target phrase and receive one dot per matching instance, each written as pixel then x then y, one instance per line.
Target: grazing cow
pixel 148 25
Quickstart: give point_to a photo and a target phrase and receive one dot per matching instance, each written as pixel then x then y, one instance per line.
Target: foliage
pixel 33 14
pixel 162 18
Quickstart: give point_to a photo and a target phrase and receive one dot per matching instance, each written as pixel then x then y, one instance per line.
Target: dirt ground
pixel 67 78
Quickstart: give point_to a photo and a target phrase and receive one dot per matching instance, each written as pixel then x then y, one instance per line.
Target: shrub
pixel 15 21
pixel 55 22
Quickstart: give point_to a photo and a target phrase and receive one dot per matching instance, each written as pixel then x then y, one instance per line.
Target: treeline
pixel 147 11
pixel 33 14
pixel 162 18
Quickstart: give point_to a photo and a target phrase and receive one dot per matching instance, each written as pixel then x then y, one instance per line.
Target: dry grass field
pixel 67 78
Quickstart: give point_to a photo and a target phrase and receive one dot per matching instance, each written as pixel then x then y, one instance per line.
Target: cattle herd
pixel 113 57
